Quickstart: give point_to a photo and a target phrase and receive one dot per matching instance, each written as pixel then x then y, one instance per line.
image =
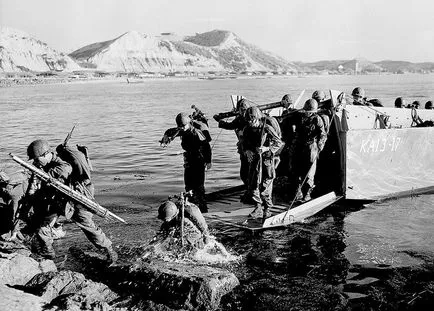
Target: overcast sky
pixel 306 30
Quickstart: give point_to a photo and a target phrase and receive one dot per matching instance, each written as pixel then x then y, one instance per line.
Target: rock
pixel 18 269
pixel 16 300
pixel 363 282
pixel 182 285
pixel 50 285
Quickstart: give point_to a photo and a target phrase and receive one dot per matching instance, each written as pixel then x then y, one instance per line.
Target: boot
pixel 112 256
pixel 265 214
pixel 257 212
pixel 307 195
pixel 299 194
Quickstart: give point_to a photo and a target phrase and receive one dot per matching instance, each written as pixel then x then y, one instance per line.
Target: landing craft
pixel 371 153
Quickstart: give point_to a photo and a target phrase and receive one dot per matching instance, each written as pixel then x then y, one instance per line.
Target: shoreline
pixel 6 82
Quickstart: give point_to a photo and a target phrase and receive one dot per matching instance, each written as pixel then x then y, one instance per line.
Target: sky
pixel 298 30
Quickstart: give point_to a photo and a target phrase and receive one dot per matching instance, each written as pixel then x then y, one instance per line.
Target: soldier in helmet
pixel 287 103
pixel 261 144
pixel 359 97
pixel 319 96
pixel 196 231
pixel 49 204
pixel 238 125
pixel 195 140
pixel 429 105
pixel 309 140
pixel 399 102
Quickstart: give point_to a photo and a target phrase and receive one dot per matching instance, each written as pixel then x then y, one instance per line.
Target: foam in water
pixel 170 249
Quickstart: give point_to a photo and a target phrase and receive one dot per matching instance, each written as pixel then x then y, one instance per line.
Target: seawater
pixel 122 123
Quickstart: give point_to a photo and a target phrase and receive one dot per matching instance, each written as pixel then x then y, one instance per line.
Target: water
pixel 121 124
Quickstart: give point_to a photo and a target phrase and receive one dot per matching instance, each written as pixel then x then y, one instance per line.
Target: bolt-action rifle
pixel 90 205
pixel 68 137
pixel 233 113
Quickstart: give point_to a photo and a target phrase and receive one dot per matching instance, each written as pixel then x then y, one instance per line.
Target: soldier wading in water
pixel 195 140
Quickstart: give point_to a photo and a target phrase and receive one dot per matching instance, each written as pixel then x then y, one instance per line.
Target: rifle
pixel 262 142
pixel 68 137
pixel 233 113
pixel 90 205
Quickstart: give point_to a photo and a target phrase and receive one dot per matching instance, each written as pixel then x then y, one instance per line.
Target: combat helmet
pixel 311 105
pixel 253 113
pixel 167 211
pixel 429 105
pixel 37 148
pixel 182 119
pixel 358 92
pixel 399 102
pixel 318 95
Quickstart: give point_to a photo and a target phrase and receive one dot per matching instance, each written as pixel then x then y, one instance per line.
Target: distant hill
pixel 365 66
pixel 169 53
pixel 217 50
pixel 21 52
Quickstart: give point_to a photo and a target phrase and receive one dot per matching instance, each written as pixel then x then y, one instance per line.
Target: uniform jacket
pixel 264 135
pixel 195 142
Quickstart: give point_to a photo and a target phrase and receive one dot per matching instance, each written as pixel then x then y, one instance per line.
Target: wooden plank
pixel 301 212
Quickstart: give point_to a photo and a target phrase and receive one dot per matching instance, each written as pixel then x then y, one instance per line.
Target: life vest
pixel 81 168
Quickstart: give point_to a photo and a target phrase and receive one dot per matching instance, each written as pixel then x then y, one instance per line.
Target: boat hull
pixel 388 163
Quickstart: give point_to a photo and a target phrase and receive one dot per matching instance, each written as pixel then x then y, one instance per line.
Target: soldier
pixel 319 96
pixel 262 145
pixel 195 140
pixel 238 125
pixel 13 191
pixel 309 140
pixel 429 105
pixel 359 97
pixel 196 231
pixel 400 102
pixel 49 204
pixel 287 103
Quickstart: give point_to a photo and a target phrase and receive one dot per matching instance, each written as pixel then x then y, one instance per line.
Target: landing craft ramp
pixel 225 207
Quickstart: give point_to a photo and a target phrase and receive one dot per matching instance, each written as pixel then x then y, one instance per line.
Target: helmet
pixel 318 95
pixel 429 105
pixel 399 102
pixel 37 148
pixel 311 105
pixel 415 104
pixel 242 104
pixel 358 91
pixel 287 97
pixel 253 113
pixel 167 211
pixel 182 119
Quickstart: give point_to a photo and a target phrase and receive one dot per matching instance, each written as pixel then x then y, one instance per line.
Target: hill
pixel 364 66
pixel 217 50
pixel 21 52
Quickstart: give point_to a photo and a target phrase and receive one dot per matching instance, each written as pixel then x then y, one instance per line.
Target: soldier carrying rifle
pixel 49 203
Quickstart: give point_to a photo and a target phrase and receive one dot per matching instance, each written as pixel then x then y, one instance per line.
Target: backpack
pixel 78 159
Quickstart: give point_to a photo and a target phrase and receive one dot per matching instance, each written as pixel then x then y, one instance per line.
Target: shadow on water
pixel 307 267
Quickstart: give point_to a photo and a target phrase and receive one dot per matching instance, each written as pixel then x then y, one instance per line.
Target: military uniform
pixel 51 204
pixel 309 140
pixel 262 167
pixel 13 192
pixel 195 227
pixel 197 153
